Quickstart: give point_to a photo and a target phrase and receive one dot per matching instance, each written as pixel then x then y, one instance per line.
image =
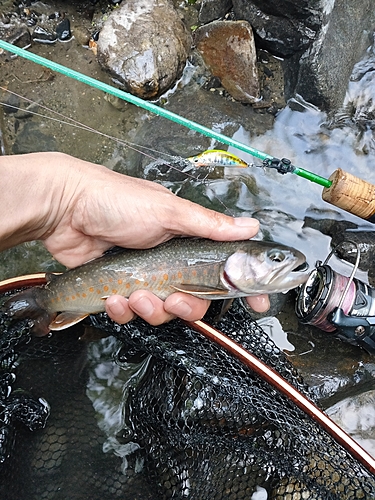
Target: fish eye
pixel 276 255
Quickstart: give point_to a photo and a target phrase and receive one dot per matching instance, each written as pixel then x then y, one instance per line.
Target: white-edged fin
pixel 65 320
pixel 200 291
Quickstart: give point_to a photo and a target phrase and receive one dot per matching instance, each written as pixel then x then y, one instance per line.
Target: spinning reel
pixel 333 302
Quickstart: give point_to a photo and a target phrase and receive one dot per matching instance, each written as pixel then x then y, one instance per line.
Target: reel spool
pixel 333 302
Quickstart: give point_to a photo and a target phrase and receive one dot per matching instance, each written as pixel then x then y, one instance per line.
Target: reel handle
pixel 352 194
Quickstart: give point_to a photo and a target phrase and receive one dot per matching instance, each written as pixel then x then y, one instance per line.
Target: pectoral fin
pixel 204 292
pixel 66 319
pixel 226 305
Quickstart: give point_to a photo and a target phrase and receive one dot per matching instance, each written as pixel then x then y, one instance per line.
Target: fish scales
pixel 203 268
pixel 159 270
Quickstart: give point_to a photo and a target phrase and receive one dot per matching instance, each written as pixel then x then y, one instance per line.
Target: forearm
pixel 31 192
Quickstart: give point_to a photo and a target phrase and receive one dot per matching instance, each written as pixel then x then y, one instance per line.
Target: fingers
pixel 186 306
pixel 117 308
pixel 156 312
pixel 153 310
pixel 190 219
pixel 259 303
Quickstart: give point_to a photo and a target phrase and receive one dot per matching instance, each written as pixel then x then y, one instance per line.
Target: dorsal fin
pixel 113 250
pixel 51 276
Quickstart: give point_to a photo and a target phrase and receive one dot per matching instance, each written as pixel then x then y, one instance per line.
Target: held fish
pixel 217 158
pixel 203 268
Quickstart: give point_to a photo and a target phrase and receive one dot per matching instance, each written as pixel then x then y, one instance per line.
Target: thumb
pixel 195 220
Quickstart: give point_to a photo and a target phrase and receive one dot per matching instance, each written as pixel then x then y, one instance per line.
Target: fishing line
pixel 131 145
pixel 267 159
pixel 80 125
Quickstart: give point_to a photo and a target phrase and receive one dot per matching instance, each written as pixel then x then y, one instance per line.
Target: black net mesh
pixel 194 422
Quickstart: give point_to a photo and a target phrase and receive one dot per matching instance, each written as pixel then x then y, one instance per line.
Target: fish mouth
pixel 290 278
pixel 301 268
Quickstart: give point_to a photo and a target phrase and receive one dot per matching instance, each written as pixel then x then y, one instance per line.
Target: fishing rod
pixel 342 189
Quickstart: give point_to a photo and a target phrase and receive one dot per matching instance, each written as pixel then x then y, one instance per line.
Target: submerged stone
pixel 30 140
pixel 16 35
pixel 144 46
pixel 228 49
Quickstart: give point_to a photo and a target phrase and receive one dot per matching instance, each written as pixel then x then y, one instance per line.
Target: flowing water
pixel 283 203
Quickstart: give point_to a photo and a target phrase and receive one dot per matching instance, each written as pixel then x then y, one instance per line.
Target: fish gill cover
pixel 196 423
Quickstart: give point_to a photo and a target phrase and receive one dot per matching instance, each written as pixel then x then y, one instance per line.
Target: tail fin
pixel 28 304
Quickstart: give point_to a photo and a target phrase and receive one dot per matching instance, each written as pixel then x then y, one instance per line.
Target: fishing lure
pixel 217 158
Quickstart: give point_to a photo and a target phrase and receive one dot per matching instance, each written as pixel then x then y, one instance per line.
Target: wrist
pixel 33 195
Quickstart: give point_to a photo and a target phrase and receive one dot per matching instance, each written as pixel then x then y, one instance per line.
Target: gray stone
pixel 283 28
pixel 323 71
pixel 17 35
pixel 144 45
pixel 319 40
pixel 212 10
pixel 228 50
pixel 31 140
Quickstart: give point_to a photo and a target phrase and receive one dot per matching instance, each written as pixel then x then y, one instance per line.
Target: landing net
pixel 188 421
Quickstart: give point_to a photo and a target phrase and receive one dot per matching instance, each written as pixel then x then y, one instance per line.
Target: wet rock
pixel 312 37
pixel 322 73
pixel 32 140
pixel 365 241
pixel 10 103
pixel 355 415
pixel 282 28
pixel 211 10
pixel 228 50
pixel 324 221
pixel 42 35
pixel 16 35
pixel 144 46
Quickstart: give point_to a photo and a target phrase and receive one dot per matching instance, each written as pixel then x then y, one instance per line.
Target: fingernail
pixel 143 307
pixel 116 309
pixel 182 309
pixel 246 222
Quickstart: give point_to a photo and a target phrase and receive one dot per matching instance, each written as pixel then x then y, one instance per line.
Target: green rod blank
pixel 153 108
pixel 149 106
pixel 312 177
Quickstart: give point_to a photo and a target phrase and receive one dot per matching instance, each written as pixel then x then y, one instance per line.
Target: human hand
pixel 86 209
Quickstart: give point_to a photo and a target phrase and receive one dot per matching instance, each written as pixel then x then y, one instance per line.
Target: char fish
pixel 200 267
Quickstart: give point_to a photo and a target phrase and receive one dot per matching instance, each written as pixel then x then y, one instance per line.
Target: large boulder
pixel 144 46
pixel 228 50
pixel 322 73
pixel 282 28
pixel 319 40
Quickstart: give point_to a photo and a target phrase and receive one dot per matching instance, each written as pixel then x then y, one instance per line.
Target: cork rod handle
pixel 351 194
